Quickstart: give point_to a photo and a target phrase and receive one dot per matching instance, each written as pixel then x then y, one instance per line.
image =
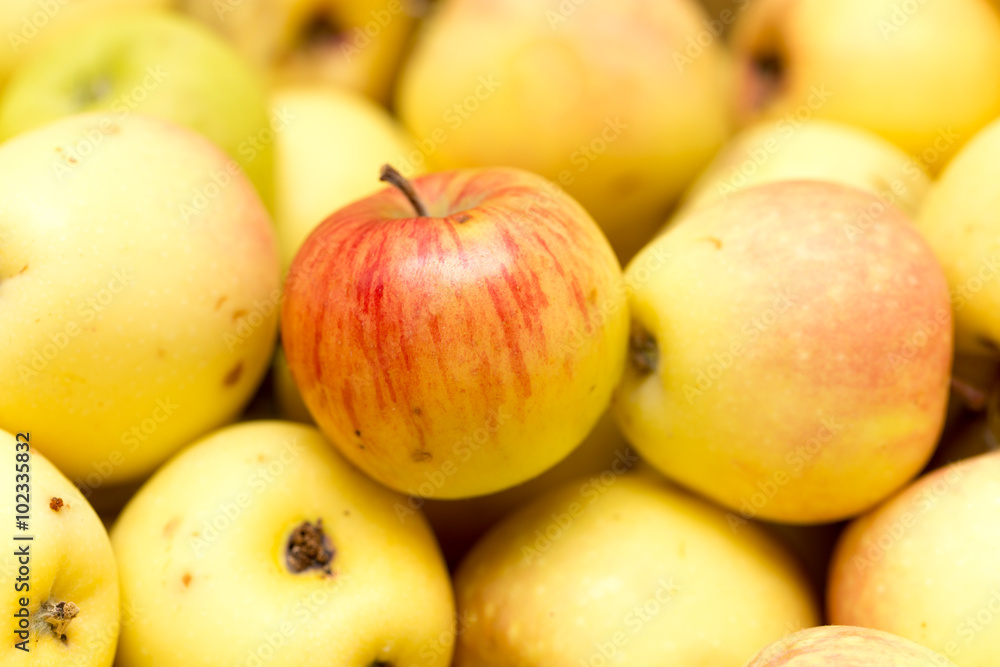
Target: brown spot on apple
pixel 222 300
pixel 419 456
pixel 417 411
pixel 239 314
pixel 233 376
pixel 56 504
pixel 714 241
pixel 170 527
pixel 186 579
pixel 23 269
pixel 462 217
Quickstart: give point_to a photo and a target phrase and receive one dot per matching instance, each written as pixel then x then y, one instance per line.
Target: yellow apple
pixel 961 221
pixel 626 570
pixel 923 565
pixel 352 43
pixel 61 580
pixel 259 544
pixel 845 646
pixel 459 523
pixel 139 285
pixel 922 74
pixel 617 101
pixel 790 352
pixel 28 24
pixel 328 156
pixel 816 151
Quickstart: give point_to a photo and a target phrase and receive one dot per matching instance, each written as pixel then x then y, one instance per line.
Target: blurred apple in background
pixel 67 575
pixel 961 221
pixel 923 565
pixel 139 296
pixel 614 100
pixel 352 43
pixel 625 571
pixel 328 156
pixel 262 536
pixel 921 74
pixel 811 151
pixel 845 646
pixel 156 63
pixel 459 523
pixel 459 340
pixel 28 24
pixel 788 359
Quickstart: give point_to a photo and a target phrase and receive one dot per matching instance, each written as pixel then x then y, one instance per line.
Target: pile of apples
pixel 317 348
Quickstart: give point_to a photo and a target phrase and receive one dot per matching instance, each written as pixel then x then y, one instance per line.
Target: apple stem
pixel 309 548
pixel 643 350
pixel 58 616
pixel 390 175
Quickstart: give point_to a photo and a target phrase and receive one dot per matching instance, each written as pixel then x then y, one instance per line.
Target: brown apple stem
pixel 309 548
pixel 643 350
pixel 974 398
pixel 390 175
pixel 58 614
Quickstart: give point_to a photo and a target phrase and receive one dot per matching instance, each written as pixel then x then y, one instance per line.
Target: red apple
pixel 462 346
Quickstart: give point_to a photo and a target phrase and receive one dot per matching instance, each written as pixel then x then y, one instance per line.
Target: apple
pixel 922 74
pixel 961 221
pixel 616 100
pixel 155 63
pixel 625 571
pixel 61 598
pixel 350 43
pixel 259 544
pixel 458 524
pixel 790 352
pixel 923 565
pixel 812 151
pixel 461 338
pixel 27 24
pixel 140 287
pixel 844 646
pixel 336 139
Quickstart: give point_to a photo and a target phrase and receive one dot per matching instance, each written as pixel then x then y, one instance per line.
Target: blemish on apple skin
pixel 357 433
pixel 238 314
pixel 714 241
pixel 222 300
pixel 233 376
pixel 462 217
pixel 417 411
pixel 419 456
pixel 56 504
pixel 170 527
pixel 186 579
pixel 161 353
pixel 25 268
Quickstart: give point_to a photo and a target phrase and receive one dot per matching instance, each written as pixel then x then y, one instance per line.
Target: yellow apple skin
pixel 458 524
pixel 202 554
pixel 596 100
pixel 631 570
pixel 788 385
pixel 812 151
pixel 328 156
pixel 131 324
pixel 351 43
pixel 70 560
pixel 923 565
pixel 28 24
pixel 845 646
pixel 961 221
pixel 923 76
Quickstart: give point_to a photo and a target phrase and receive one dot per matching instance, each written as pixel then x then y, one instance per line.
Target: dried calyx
pixel 644 353
pixel 57 615
pixel 309 548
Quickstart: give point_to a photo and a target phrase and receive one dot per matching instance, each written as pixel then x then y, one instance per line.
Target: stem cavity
pixel 390 175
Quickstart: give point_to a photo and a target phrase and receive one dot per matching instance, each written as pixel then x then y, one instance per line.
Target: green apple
pixel 625 570
pixel 961 221
pixel 61 594
pixel 27 24
pixel 814 151
pixel 922 74
pixel 791 351
pixel 845 646
pixel 923 565
pixel 351 43
pixel 614 100
pixel 327 157
pixel 258 544
pixel 140 288
pixel 156 63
